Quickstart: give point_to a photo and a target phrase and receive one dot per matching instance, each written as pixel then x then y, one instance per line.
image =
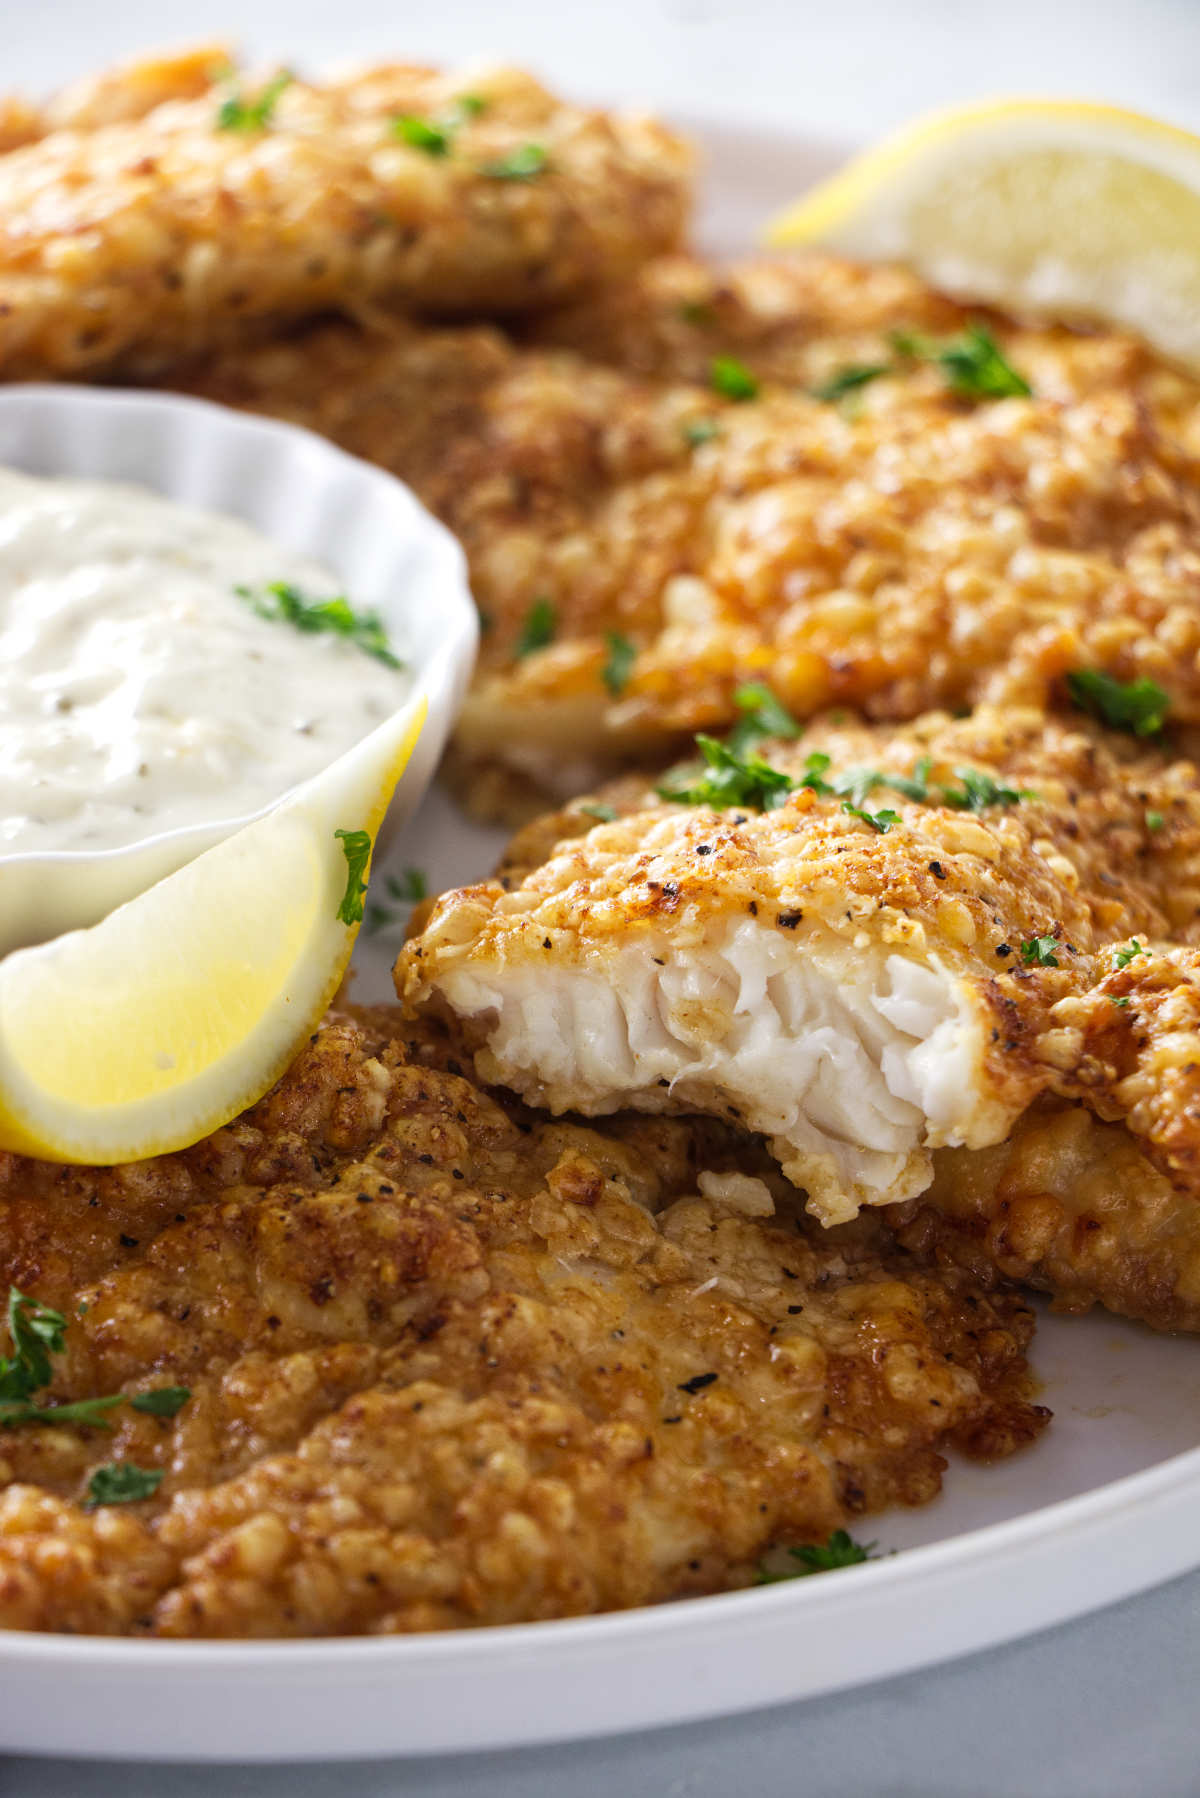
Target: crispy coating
pixel 117 95
pixel 810 922
pixel 453 1364
pixel 1070 1205
pixel 164 235
pixel 902 550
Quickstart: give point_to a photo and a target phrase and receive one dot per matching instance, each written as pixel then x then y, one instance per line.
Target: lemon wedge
pixel 163 1022
pixel 1052 207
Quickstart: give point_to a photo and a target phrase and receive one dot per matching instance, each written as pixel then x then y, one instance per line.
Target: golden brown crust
pixel 1070 1205
pixel 450 1364
pixel 163 235
pixel 904 550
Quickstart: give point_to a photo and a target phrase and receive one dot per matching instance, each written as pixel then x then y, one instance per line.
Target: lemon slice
pixel 1060 208
pixel 163 1022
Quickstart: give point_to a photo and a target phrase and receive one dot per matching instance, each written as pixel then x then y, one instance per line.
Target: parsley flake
pixel 604 814
pixel 522 164
pixel 730 780
pixel 700 430
pixel 732 379
pixel 421 134
pixel 121 1483
pixel 1123 957
pixel 281 603
pixel 974 365
pixel 405 890
pixel 1038 951
pixel 762 715
pixel 849 379
pixel 356 847
pixel 236 114
pixel 841 1550
pixel 1154 820
pixel 537 631
pixel 161 1401
pixel 1138 706
pixel 37 1332
pixel 622 654
pixel 880 821
pixel 978 791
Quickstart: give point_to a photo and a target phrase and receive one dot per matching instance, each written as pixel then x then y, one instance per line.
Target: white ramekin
pixel 388 552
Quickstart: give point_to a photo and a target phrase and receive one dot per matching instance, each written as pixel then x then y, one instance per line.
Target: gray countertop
pixel 1106 1706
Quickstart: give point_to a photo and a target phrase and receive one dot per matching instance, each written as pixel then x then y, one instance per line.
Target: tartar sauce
pixel 138 691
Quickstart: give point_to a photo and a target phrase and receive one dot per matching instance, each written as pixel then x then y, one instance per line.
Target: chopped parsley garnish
pixel 700 430
pixel 404 890
pixel 1154 820
pixel 1138 706
pixel 420 134
pixel 880 821
pixel 282 603
pixel 762 715
pixel 121 1483
pixel 1038 951
pixel 521 164
pixel 37 1332
pixel 731 780
pixel 237 114
pixel 436 136
pixel 849 379
pixel 1123 957
pixel 914 785
pixel 696 312
pixel 622 654
pixel 732 379
pixel 978 791
pixel 974 365
pixel 841 1550
pixel 604 814
pixel 1121 1002
pixel 538 629
pixel 356 847
pixel 977 368
pixel 161 1401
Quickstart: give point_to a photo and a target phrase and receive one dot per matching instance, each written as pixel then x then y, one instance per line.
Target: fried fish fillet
pixel 882 966
pixel 904 549
pixel 128 91
pixel 134 242
pixel 1099 1200
pixel 450 1363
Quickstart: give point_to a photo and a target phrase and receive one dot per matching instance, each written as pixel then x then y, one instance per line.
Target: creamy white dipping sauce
pixel 138 691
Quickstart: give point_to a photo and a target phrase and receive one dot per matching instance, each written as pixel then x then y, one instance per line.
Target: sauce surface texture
pixel 139 690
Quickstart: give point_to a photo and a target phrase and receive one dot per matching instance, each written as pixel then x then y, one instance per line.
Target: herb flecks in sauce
pixel 283 603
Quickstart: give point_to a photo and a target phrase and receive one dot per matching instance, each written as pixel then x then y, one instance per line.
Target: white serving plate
pixel 1105 1506
pixel 299 490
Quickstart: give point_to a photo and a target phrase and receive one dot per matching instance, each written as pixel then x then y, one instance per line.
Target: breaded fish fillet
pixel 889 962
pixel 205 220
pixel 450 1363
pixel 1087 1209
pixel 116 95
pixel 903 548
